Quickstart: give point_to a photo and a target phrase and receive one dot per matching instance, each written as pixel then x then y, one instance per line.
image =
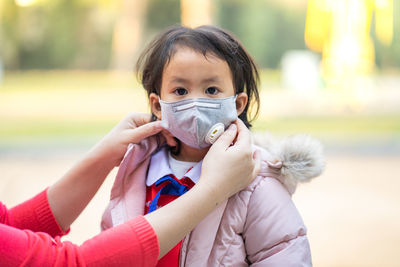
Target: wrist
pixel 106 152
pixel 97 156
pixel 211 191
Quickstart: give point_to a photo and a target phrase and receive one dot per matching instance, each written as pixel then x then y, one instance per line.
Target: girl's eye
pixel 181 91
pixel 212 90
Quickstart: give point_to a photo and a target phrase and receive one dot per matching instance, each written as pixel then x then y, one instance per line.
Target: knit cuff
pixel 46 217
pixel 35 214
pixel 148 240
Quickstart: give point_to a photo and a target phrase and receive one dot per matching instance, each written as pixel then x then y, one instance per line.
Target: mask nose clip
pixel 215 131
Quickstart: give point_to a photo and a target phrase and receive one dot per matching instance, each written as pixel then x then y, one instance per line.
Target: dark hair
pixel 204 39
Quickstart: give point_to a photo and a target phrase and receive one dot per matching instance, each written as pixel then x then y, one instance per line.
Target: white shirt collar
pixel 159 167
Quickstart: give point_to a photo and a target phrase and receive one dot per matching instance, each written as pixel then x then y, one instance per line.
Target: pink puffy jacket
pixel 259 226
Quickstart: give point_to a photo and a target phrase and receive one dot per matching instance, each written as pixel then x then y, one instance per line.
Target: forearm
pixel 71 194
pixel 133 243
pixel 175 220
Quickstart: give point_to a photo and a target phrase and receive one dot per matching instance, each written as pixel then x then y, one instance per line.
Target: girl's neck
pixel 191 154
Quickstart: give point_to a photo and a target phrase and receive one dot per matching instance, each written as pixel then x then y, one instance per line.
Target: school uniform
pixel 258 226
pixel 185 174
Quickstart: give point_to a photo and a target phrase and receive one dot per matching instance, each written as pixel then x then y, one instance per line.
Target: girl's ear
pixel 241 102
pixel 155 105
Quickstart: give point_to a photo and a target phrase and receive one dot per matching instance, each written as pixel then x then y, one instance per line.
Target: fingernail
pixel 232 127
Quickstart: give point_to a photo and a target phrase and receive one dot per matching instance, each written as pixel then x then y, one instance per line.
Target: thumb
pixel 257 161
pixel 138 134
pixel 226 139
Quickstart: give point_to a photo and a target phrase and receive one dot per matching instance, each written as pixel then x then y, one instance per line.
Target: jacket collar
pixel 159 167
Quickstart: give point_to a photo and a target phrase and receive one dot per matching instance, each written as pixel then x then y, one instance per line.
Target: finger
pixel 140 119
pixel 226 139
pixel 138 134
pixel 169 138
pixel 243 136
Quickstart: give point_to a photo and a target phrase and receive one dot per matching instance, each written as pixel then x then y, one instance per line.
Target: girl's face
pixel 189 74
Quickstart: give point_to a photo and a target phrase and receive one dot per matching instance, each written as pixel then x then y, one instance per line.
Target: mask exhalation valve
pixel 215 131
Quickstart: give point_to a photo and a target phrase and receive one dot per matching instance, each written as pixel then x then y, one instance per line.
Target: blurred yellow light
pixel 25 2
pixel 348 51
pixel 340 29
pixel 382 4
pixel 384 21
pixel 318 23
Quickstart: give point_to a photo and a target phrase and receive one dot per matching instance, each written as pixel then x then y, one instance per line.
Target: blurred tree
pixel 137 23
pixel 55 34
pixel 95 34
pixel 9 51
pixel 196 12
pixel 128 33
pixel 161 14
pixel 266 28
pixel 388 56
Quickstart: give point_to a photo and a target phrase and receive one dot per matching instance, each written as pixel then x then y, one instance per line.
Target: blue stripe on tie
pixel 173 188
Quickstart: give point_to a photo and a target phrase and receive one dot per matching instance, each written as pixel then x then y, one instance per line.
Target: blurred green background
pixel 40 108
pixel 61 57
pixel 329 68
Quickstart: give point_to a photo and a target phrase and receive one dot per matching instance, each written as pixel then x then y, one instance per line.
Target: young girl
pixel 199 81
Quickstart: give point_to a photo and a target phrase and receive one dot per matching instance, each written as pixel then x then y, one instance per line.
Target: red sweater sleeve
pixel 133 243
pixel 34 214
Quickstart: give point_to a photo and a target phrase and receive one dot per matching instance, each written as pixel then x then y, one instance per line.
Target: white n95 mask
pixel 198 122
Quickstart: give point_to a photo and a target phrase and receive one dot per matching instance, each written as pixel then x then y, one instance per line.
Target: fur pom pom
pixel 301 156
pixel 302 159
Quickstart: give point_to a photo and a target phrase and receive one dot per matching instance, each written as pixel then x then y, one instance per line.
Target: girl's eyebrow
pixel 176 79
pixel 212 79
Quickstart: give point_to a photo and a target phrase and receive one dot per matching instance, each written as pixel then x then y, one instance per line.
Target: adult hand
pixel 226 169
pixel 132 129
pixel 70 195
pixel 230 165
